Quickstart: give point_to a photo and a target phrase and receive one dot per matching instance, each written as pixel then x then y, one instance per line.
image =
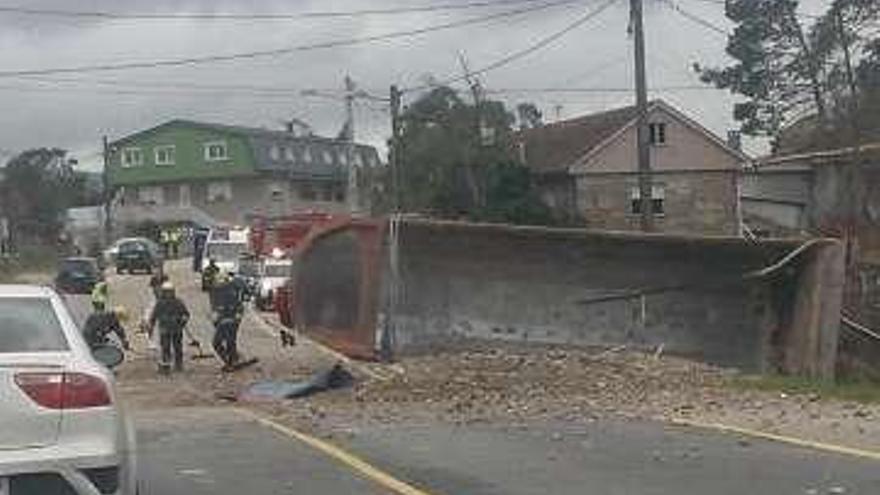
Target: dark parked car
pixel 137 256
pixel 78 275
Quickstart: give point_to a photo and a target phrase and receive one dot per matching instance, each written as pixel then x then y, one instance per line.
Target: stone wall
pixel 694 202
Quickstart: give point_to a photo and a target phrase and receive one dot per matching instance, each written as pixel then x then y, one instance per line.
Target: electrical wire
pixel 511 57
pixel 701 87
pixel 214 16
pixel 206 59
pixel 696 19
pixel 168 84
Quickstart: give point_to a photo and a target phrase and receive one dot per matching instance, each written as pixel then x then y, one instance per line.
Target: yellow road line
pixel 801 442
pixel 352 461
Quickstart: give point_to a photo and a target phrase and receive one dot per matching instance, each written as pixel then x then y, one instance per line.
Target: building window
pixel 328 157
pixel 164 155
pixel 185 195
pixel 277 191
pixel 219 191
pixel 289 154
pixel 307 155
pixel 343 158
pixel 132 157
pixel 327 192
pixel 307 192
pixel 150 195
pixel 275 152
pixel 658 198
pixel 216 151
pixel 371 160
pixel 657 133
pixel 358 160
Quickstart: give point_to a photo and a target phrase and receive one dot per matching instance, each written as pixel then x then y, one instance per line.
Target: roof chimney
pixel 734 139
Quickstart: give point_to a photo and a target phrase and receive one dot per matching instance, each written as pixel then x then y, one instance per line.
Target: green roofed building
pixel 186 171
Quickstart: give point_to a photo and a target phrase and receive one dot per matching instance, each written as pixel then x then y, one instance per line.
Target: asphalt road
pixel 606 458
pixel 216 452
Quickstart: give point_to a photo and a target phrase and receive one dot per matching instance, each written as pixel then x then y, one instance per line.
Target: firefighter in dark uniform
pixel 172 316
pixel 228 309
pixel 101 323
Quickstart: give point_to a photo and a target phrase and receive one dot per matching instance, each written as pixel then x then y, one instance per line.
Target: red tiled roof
pixel 555 146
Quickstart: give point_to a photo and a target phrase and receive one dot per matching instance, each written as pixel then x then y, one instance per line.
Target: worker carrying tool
pixel 101 323
pixel 157 279
pixel 209 275
pixel 100 294
pixel 228 309
pixel 172 316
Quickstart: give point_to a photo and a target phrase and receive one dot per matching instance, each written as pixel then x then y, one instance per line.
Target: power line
pixel 215 16
pixel 200 60
pixel 543 42
pixel 54 80
pixel 618 89
pixel 146 92
pixel 696 19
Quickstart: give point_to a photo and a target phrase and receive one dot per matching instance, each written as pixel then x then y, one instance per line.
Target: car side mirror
pixel 108 355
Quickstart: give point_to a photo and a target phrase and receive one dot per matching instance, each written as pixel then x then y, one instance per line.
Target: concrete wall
pixel 695 202
pixel 774 305
pixel 579 288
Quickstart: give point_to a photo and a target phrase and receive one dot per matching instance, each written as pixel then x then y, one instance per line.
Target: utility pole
pixel 644 150
pixel 395 155
pixel 476 91
pixel 354 196
pixel 854 182
pixel 106 192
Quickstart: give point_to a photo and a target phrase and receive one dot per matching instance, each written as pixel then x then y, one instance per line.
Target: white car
pixel 274 273
pixel 62 429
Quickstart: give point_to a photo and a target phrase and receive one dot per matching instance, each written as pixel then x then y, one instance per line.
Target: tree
pixel 456 160
pixel 40 185
pixel 529 116
pixel 823 79
pixel 775 67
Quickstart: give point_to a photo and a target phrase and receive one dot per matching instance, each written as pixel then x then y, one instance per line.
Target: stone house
pixel 587 167
pixel 208 174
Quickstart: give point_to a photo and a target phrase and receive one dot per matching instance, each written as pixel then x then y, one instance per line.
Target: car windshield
pixel 226 251
pixel 248 268
pixel 129 247
pixel 29 325
pixel 78 266
pixel 277 270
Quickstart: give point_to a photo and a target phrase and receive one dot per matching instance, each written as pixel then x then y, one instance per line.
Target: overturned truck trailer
pixel 374 288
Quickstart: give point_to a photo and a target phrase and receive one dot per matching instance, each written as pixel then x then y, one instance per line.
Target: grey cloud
pixel 75 115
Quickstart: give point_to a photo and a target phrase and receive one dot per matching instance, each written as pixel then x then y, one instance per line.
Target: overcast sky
pixel 73 111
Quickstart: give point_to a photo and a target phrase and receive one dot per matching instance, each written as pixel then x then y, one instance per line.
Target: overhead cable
pixel 696 19
pixel 213 16
pixel 511 57
pixel 275 52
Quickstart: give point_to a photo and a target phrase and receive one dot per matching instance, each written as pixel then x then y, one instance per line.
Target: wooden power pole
pixel 107 194
pixel 354 179
pixel 395 155
pixel 642 135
